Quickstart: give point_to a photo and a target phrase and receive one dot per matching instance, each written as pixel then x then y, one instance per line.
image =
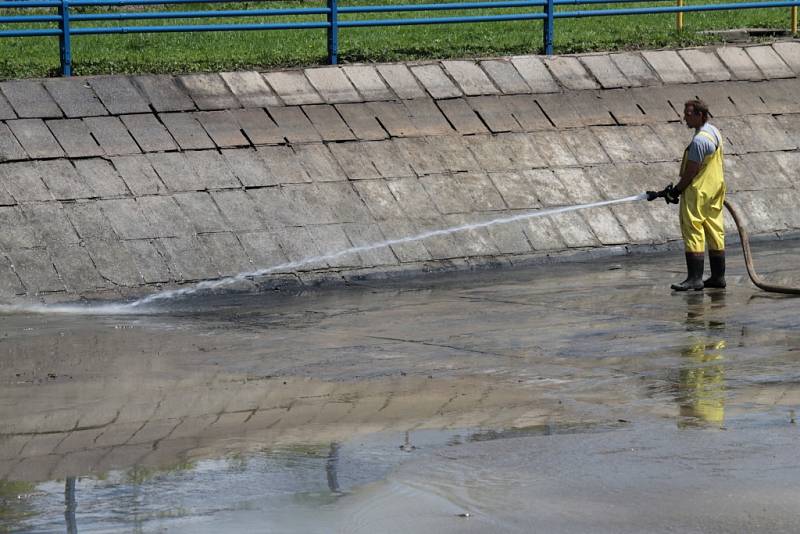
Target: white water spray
pixel 138 305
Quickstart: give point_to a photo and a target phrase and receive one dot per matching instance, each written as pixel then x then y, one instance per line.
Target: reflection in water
pixel 331 466
pixel 70 505
pixel 701 378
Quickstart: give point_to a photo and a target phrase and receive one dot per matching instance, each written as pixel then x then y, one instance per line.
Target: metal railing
pixel 67 20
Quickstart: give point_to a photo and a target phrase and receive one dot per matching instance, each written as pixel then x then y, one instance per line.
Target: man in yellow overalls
pixel 701 192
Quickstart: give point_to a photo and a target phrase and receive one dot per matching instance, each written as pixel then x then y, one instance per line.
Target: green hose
pixel 748 259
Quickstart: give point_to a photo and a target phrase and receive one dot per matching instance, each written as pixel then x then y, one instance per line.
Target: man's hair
pixel 699 107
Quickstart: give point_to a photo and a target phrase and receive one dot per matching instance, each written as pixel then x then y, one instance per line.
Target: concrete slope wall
pixel 116 186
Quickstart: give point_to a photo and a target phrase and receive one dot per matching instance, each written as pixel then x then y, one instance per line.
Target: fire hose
pixel 672 198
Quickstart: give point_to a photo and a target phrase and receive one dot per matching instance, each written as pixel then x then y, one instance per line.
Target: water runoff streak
pixel 141 305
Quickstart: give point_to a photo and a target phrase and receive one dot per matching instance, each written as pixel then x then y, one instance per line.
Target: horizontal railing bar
pixel 445 7
pixel 672 9
pixel 29 33
pixel 122 3
pixel 439 20
pixel 202 14
pixel 29 18
pixel 26 4
pixel 199 28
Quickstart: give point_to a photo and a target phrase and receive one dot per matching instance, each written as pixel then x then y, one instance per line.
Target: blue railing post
pixel 333 32
pixel 548 28
pixel 65 46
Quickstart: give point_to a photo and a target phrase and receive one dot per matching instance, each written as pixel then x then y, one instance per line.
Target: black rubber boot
pixel 717 260
pixel 694 266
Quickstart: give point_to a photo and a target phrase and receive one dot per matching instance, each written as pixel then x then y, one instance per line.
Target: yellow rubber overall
pixel 701 204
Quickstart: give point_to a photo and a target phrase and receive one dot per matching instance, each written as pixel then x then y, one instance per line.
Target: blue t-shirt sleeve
pixel 700 147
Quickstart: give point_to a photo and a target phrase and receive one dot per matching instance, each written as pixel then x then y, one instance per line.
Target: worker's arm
pixel 689 173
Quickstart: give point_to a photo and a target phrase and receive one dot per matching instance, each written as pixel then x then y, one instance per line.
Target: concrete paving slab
pixel 76 269
pixel 387 160
pixel 470 77
pixel 462 193
pixel 394 117
pixel 23 181
pixel 570 73
pixel 522 152
pixel 341 199
pixel 769 62
pixel 223 128
pixel 209 91
pixel 332 84
pixel 10 284
pixel 35 268
pixel 461 115
pixel 412 198
pixel 361 120
pixel 453 153
pixel 282 165
pixel 655 102
pixel 747 98
pixel 148 260
pixel 294 125
pixel 5 198
pixel 669 66
pixel 6 111
pixel 276 207
pixel 435 81
pixel 405 252
pixel 361 235
pixel 509 238
pixel 127 219
pixel 112 136
pixel 327 121
pixel 781 96
pixel 100 177
pixel 649 144
pixel 616 143
pixel 441 247
pixel 30 99
pixel 35 138
pixel 705 65
pixel 535 74
pixel 517 189
pixel 490 153
pixel 605 71
pixel 250 89
pixel 605 226
pixel 379 200
pixel 148 132
pixel 297 245
pixel 186 130
pixel 585 146
pixel 737 134
pixel 476 242
pixel 75 97
pixel 553 148
pixel 163 93
pixel 331 239
pixel 401 81
pixel 527 112
pixel 494 113
pixel 258 126
pixel 368 82
pixel 211 170
pixel 716 95
pixel 559 111
pixel 89 222
pixel 776 138
pixel 10 149
pixel 187 259
pixel 674 136
pixel 739 63
pixel 635 69
pixel 547 188
pixel 767 168
pixel 542 233
pixel 578 186
pixel 262 249
pixel 790 125
pixel 309 204
pixel 589 107
pixel 138 175
pixel 575 231
pixel 75 138
pixel 239 210
pixel 174 170
pixel 62 180
pixel 201 210
pixel 421 155
pixel 165 216
pixel 118 94
pixel 319 163
pixel 226 253
pixel 248 167
pixel 293 88
pixel 426 117
pixel 790 162
pixel 352 157
pixel 505 76
pixel 17 233
pixel 790 54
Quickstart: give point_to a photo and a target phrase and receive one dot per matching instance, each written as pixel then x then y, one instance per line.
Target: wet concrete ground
pixel 560 398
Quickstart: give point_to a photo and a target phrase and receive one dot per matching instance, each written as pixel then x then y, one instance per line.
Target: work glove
pixel 671 195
